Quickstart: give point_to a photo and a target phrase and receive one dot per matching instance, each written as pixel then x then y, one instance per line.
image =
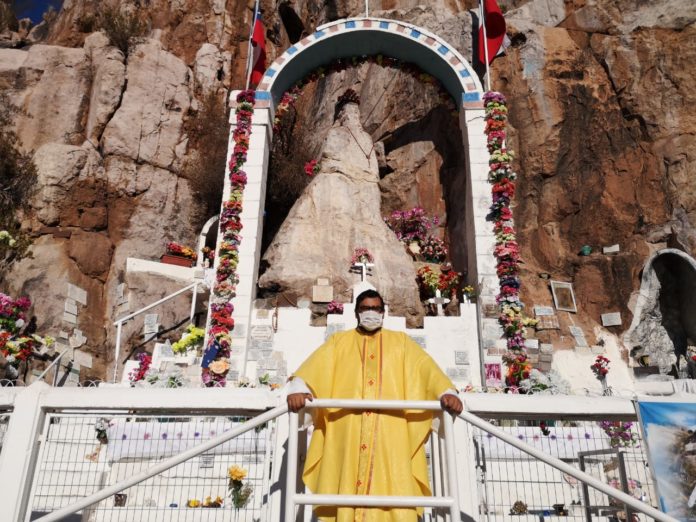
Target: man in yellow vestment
pixel 369 452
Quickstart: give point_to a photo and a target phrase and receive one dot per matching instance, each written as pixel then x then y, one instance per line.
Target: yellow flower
pixel 236 473
pixel 193 503
pixel 220 366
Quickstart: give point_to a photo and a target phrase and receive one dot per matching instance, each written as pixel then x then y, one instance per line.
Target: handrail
pixel 53 362
pixel 292 498
pixel 567 468
pixel 119 322
pixel 164 465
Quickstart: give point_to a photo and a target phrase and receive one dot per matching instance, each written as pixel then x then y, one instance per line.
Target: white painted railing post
pixel 452 482
pixel 19 450
pixel 291 478
pixel 117 354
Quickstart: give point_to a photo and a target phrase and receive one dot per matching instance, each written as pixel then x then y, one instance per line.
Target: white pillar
pixel 256 168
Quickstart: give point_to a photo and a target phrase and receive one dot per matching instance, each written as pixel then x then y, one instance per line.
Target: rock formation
pixel 600 100
pixel 339 212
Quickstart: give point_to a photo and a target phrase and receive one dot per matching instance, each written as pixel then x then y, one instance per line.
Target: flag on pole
pixel 494 36
pixel 258 44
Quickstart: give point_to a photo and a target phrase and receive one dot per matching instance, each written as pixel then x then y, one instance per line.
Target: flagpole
pixel 367 8
pixel 482 14
pixel 250 54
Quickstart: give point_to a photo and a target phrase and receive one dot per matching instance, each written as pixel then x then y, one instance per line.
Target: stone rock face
pixel 339 212
pixel 108 78
pixel 147 127
pixel 59 167
pixel 55 87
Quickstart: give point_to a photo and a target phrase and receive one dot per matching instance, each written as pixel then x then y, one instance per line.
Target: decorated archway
pixel 340 40
pixel 373 36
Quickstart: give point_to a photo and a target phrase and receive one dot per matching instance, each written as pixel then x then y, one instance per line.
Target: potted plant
pixel 178 255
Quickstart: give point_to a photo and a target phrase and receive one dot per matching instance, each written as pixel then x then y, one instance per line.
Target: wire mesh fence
pixel 81 454
pixel 515 487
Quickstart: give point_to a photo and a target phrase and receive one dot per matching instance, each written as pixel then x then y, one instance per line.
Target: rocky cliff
pixel 600 102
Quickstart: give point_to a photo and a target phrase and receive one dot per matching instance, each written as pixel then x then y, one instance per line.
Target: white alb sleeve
pixel 296 385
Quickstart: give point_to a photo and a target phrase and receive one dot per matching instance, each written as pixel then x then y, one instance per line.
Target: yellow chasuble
pixel 356 452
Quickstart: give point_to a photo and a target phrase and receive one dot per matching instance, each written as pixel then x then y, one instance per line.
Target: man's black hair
pixel 367 294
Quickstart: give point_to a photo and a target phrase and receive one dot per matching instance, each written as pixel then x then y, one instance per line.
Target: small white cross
pixel 439 301
pixel 364 269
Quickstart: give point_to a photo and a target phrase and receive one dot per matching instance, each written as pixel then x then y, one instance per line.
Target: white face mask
pixel 370 320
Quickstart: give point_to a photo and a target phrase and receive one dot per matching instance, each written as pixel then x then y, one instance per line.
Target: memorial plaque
pixel 69 318
pixel 323 281
pixel 545 348
pixel 77 293
pixel 463 374
pixel 461 357
pixel 542 311
pixel 420 340
pixel 77 339
pixel 613 249
pixel 233 375
pixel 267 353
pixel 611 319
pixel 253 354
pixel 262 313
pixel 262 332
pixel 150 324
pixel 268 364
pixel 70 306
pixel 452 373
pixel 532 343
pixel 256 344
pixel 548 322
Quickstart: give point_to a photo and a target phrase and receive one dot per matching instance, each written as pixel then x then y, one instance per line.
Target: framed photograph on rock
pixel 563 296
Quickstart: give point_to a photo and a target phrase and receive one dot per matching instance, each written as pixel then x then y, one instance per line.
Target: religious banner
pixel 669 430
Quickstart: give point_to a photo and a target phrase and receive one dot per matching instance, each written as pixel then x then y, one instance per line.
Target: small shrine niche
pixel 663 336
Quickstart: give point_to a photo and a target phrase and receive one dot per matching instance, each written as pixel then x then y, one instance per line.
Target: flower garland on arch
pixel 215 363
pixel 289 98
pixel 507 250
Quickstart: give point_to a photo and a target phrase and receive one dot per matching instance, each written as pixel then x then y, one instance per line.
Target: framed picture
pixel 494 374
pixel 563 296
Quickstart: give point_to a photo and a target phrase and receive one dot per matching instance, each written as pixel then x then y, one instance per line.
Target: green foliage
pixel 17 182
pixel 121 28
pixel 208 131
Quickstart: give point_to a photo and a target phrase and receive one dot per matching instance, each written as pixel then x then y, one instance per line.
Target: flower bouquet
pixel 311 168
pixel 434 250
pixel 239 492
pixel 190 341
pixel 335 307
pixel 600 367
pixel 361 255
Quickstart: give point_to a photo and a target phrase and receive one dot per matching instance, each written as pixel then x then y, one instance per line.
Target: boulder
pixel 58 168
pixel 209 68
pixel 55 83
pixel 148 125
pixel 339 212
pixel 108 82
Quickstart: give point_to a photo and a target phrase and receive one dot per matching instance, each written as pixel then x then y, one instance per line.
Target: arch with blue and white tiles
pixel 373 36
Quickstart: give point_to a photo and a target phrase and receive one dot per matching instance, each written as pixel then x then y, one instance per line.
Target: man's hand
pixel 296 401
pixel 450 403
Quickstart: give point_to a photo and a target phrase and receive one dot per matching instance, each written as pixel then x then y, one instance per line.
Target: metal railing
pixel 294 499
pixel 451 501
pixel 55 362
pixel 119 322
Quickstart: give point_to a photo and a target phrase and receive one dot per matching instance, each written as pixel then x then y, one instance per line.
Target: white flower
pixel 19 323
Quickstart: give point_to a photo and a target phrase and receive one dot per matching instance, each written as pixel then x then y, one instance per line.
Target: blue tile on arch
pixel 350 24
pixel 471 96
pixel 263 95
pixel 443 50
pixel 291 50
pixel 271 72
pixel 415 34
pixel 464 73
pixel 319 34
pixel 384 25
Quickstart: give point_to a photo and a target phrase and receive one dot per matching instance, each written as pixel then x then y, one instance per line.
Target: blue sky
pixel 34 8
